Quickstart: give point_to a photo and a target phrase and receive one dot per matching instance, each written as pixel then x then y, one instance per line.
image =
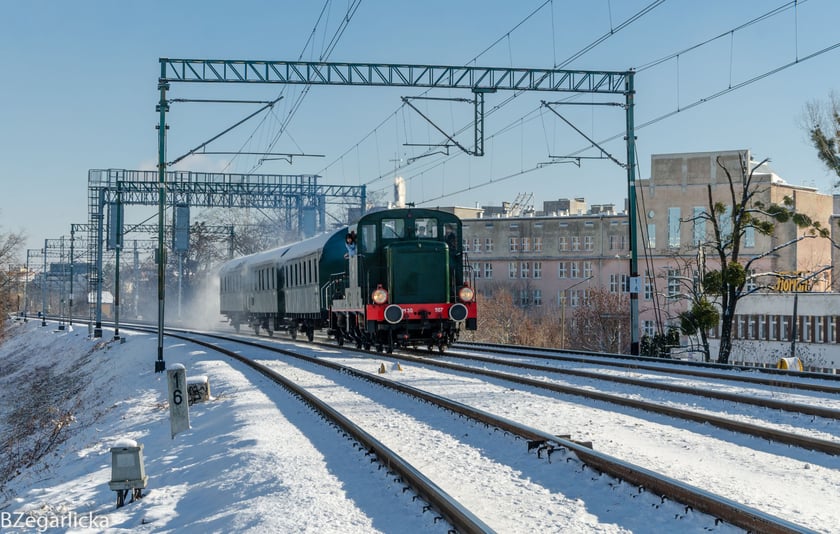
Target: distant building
pixel 564 206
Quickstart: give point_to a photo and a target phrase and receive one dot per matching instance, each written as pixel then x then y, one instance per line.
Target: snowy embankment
pixel 243 466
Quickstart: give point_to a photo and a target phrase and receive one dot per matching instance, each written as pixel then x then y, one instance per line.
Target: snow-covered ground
pixel 256 460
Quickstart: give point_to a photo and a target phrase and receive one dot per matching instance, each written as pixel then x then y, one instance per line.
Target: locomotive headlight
pixel 466 294
pixel 379 296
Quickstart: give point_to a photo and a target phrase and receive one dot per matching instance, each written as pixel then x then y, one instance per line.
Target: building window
pixel 574 298
pixel 526 244
pixel 673 282
pixel 613 283
pixel 488 270
pixel 774 325
pixel 587 269
pixel 537 269
pixel 512 269
pixel 561 269
pixel 651 235
pixel 573 271
pixel 648 288
pixel 618 242
pixel 648 328
pixel 674 227
pixel 725 224
pixel 751 284
pixel 587 242
pixel 537 297
pixel 749 237
pixel 488 244
pixel 538 244
pixel 562 243
pixel 575 243
pixel 524 269
pixel 699 226
pixel 523 297
pixel 514 244
pixel 625 283
pixel 476 245
pixel 476 268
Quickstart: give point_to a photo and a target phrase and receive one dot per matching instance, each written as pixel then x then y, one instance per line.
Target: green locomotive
pixel 396 278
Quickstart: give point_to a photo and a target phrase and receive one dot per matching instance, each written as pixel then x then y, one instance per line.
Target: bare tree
pixel 730 220
pixel 10 248
pixel 499 318
pixel 602 323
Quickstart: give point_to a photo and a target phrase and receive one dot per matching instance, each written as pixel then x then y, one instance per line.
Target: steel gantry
pixel 54 272
pixel 291 195
pixel 479 80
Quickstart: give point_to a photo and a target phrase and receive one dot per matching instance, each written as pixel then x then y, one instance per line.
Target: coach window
pixel 368 235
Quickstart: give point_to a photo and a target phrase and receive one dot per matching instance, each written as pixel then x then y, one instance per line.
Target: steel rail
pixel 675 366
pixel 819 411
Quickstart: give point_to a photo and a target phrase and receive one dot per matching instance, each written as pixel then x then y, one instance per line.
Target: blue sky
pixel 79 87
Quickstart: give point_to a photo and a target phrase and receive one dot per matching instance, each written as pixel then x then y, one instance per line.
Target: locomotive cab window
pixel 426 228
pixel 368 238
pixel 450 232
pixel 393 228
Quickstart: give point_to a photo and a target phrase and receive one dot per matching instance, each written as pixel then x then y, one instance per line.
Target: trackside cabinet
pixel 127 472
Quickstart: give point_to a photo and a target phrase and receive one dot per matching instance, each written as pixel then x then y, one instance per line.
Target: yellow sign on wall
pixel 792 282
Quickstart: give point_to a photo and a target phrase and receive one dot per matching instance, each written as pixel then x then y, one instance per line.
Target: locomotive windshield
pixel 426 228
pixel 393 228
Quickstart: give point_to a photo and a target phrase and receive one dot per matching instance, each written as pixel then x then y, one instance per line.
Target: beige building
pixel 552 260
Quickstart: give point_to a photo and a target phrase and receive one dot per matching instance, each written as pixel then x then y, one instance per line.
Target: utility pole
pixel 44 288
pixel 162 108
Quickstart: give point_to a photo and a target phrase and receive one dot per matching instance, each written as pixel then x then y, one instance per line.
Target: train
pixel 397 278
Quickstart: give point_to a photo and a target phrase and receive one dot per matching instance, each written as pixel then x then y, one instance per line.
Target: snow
pixel 256 460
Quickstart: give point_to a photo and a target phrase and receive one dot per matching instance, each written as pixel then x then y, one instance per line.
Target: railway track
pixel 773 377
pixel 790 438
pixel 545 443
